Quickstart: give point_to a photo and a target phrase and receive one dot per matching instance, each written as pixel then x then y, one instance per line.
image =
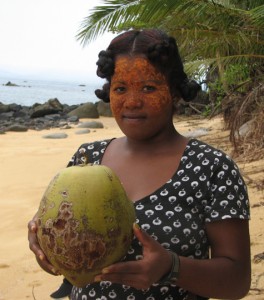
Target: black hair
pixel 160 49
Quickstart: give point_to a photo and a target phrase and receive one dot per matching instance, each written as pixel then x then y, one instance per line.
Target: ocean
pixel 31 91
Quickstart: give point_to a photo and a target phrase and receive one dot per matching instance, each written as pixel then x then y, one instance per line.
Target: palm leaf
pixel 230 30
pixel 258 16
pixel 107 18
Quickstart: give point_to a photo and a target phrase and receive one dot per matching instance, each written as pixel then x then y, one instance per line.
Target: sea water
pixel 31 91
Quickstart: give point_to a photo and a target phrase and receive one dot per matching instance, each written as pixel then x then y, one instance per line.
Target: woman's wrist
pixel 172 276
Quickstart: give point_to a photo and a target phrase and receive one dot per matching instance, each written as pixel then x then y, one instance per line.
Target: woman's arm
pixel 226 275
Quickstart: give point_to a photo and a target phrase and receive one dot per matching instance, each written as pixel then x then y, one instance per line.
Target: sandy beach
pixel 28 162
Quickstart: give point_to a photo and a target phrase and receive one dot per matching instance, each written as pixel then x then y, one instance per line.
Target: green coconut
pixel 85 222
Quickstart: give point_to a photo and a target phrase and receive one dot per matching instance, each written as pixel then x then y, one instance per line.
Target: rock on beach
pixel 51 114
pixel 56 135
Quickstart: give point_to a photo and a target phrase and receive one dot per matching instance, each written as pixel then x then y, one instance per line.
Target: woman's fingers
pixel 130 273
pixel 141 273
pixel 145 239
pixel 33 241
pixel 35 248
pixel 45 265
pixel 127 267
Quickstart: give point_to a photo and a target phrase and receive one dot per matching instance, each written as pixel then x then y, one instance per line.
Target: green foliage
pixel 236 75
pixel 216 95
pixel 222 35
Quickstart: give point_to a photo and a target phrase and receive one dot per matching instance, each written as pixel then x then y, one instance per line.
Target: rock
pixel 68 108
pixel 73 119
pixel 53 117
pixel 196 133
pixel 22 113
pixel 53 106
pixel 4 108
pixel 15 107
pixel 83 131
pixel 91 124
pixel 66 126
pixel 44 116
pixel 9 83
pixel 17 127
pixel 245 129
pixel 6 115
pixel 104 109
pixel 87 110
pixel 58 135
pixel 258 258
pixel 63 123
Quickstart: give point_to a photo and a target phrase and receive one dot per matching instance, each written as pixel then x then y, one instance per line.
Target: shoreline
pixel 51 114
pixel 28 162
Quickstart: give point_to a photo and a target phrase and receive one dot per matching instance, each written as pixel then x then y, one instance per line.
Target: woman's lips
pixel 133 116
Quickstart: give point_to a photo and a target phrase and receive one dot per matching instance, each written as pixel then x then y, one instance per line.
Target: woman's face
pixel 140 98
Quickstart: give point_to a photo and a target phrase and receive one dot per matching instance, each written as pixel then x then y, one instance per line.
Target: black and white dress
pixel 206 187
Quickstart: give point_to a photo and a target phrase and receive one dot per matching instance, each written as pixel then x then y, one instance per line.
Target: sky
pixel 37 39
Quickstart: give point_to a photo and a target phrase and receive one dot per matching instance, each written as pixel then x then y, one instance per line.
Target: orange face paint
pixel 136 84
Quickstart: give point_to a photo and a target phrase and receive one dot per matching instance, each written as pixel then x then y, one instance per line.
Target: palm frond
pixel 258 16
pixel 202 65
pixel 106 18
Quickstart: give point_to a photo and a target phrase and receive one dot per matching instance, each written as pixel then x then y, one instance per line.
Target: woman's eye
pixel 119 89
pixel 149 88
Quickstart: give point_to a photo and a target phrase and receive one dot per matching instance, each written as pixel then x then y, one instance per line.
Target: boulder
pixel 104 109
pixel 4 108
pixel 52 106
pixel 91 124
pixel 17 127
pixel 87 110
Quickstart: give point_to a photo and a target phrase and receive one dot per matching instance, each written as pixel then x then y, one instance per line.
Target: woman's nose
pixel 133 101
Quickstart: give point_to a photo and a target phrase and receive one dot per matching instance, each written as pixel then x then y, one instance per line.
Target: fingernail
pixel 97 278
pixel 105 271
pixel 53 270
pixel 41 257
pixel 136 226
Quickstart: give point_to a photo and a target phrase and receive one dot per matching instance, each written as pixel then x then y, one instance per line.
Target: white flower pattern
pixel 206 187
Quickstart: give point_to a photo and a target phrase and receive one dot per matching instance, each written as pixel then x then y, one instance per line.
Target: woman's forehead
pixel 135 66
pixel 138 61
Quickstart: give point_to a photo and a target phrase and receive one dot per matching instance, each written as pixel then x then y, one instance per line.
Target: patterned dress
pixel 206 187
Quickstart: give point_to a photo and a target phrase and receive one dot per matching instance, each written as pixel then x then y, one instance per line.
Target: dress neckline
pixel 161 188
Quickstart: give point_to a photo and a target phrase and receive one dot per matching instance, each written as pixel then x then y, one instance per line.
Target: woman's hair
pixel 162 52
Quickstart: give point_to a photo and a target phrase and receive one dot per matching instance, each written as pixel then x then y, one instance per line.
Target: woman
pixel 189 197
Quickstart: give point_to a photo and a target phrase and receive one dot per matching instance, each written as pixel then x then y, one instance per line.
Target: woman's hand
pixel 140 274
pixel 35 248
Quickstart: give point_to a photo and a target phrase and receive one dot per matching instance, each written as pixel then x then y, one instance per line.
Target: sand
pixel 28 162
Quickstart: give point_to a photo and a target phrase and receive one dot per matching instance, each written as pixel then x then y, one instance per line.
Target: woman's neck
pixel 159 143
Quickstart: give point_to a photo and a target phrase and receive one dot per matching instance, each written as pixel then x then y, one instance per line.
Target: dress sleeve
pixel 81 156
pixel 228 193
pixel 89 153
